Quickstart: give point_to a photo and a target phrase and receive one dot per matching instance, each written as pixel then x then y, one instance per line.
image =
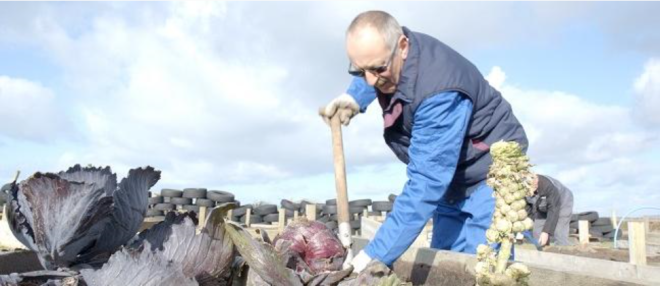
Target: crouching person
pixel 551 209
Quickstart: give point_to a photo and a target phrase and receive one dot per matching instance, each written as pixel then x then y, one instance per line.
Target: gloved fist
pixel 343 106
pixel 360 261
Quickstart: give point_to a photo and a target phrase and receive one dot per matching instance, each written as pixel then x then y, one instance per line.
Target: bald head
pixel 380 22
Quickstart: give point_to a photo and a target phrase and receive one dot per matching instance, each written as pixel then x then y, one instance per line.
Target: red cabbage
pixel 315 243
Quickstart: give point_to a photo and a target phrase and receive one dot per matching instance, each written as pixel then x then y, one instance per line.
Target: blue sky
pixel 224 95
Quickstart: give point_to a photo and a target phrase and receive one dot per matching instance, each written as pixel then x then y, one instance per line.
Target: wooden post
pixel 248 214
pixel 4 211
pixel 637 242
pixel 281 221
pixel 647 223
pixel 230 213
pixel 295 215
pixel 310 211
pixel 202 217
pixel 615 221
pixel 584 232
pixel 365 213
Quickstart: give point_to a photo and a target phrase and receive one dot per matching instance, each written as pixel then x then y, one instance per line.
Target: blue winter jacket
pixel 437 136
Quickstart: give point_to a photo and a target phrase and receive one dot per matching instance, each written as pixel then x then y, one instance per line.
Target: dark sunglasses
pixel 355 71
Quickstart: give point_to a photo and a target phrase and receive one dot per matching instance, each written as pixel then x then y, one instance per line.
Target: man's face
pixel 368 52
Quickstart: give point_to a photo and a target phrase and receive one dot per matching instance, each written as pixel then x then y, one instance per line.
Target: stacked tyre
pixel 2 202
pixel 356 210
pixel 259 213
pixel 599 227
pixel 188 199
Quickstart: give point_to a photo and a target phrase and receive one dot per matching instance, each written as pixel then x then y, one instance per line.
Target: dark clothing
pixel 432 68
pixel 553 201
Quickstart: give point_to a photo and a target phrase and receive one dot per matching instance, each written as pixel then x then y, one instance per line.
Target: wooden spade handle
pixel 340 182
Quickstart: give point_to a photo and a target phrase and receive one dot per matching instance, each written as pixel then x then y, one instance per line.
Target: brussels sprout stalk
pixel 511 180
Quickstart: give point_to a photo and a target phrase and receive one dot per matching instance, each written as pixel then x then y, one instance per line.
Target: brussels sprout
pixel 518 227
pixel 512 216
pixel 492 235
pixel 503 225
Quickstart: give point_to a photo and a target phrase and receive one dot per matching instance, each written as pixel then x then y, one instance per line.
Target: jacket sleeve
pixel 554 205
pixel 440 124
pixel 362 92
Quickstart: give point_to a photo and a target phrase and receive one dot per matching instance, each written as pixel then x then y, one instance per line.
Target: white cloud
pixel 569 130
pixel 225 94
pixel 599 151
pixel 30 111
pixel 647 94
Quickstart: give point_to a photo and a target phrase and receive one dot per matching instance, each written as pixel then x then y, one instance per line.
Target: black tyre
pixel 194 193
pixel 265 209
pixel 610 235
pixel 164 207
pixel 237 212
pixel 591 216
pixel 360 203
pixel 181 201
pixel 355 224
pixel 155 200
pixel 220 196
pixel 204 203
pixel 356 210
pixel 331 202
pixel 288 213
pixel 391 197
pixel 289 205
pixel 574 224
pixel 381 206
pixel 572 231
pixel 602 228
pixel 602 221
pixel 574 217
pixel 330 209
pixel 331 224
pixel 323 219
pixel 272 218
pixel 193 208
pixel 253 219
pixel 303 206
pixel 171 193
pixel 596 234
pixel 153 213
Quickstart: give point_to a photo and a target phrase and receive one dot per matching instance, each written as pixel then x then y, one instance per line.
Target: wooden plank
pixel 584 232
pixel 614 220
pixel 310 211
pixel 637 237
pixel 202 217
pixel 281 221
pixel 248 214
pixel 365 213
pixel 295 215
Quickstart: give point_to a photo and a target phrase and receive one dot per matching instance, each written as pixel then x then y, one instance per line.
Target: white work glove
pixel 344 106
pixel 360 261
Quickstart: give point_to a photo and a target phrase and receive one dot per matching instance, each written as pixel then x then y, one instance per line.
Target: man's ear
pixel 404 44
